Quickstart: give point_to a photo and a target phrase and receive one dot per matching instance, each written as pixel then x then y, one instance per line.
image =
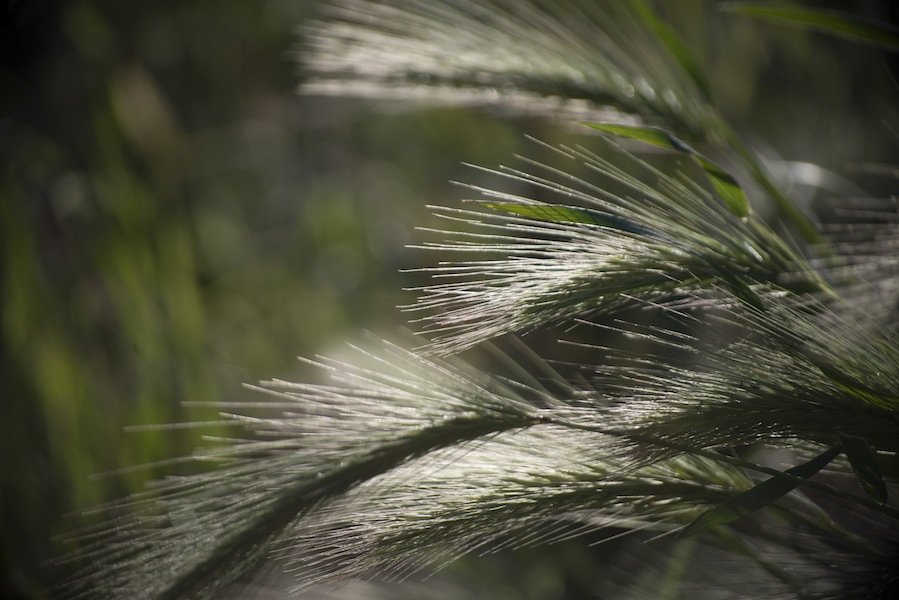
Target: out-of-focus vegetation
pixel 175 221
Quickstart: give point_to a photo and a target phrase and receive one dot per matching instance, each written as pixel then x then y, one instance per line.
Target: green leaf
pixel 558 213
pixel 844 25
pixel 652 135
pixel 864 462
pixel 674 44
pixel 726 186
pixel 723 182
pixel 760 496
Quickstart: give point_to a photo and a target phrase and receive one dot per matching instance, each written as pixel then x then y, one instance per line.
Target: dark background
pixel 176 221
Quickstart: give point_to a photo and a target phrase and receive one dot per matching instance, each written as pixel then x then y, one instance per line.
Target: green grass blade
pixel 676 570
pixel 864 463
pixel 831 22
pixel 859 390
pixel 675 45
pixel 726 186
pixel 723 182
pixel 758 497
pixel 556 213
pixel 651 135
pixel 789 209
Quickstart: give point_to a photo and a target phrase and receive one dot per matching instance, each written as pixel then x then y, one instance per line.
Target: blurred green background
pixel 175 221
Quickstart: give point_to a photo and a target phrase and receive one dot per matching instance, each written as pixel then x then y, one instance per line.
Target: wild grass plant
pixel 738 397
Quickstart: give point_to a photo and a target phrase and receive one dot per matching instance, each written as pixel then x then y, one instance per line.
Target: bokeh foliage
pixel 175 221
